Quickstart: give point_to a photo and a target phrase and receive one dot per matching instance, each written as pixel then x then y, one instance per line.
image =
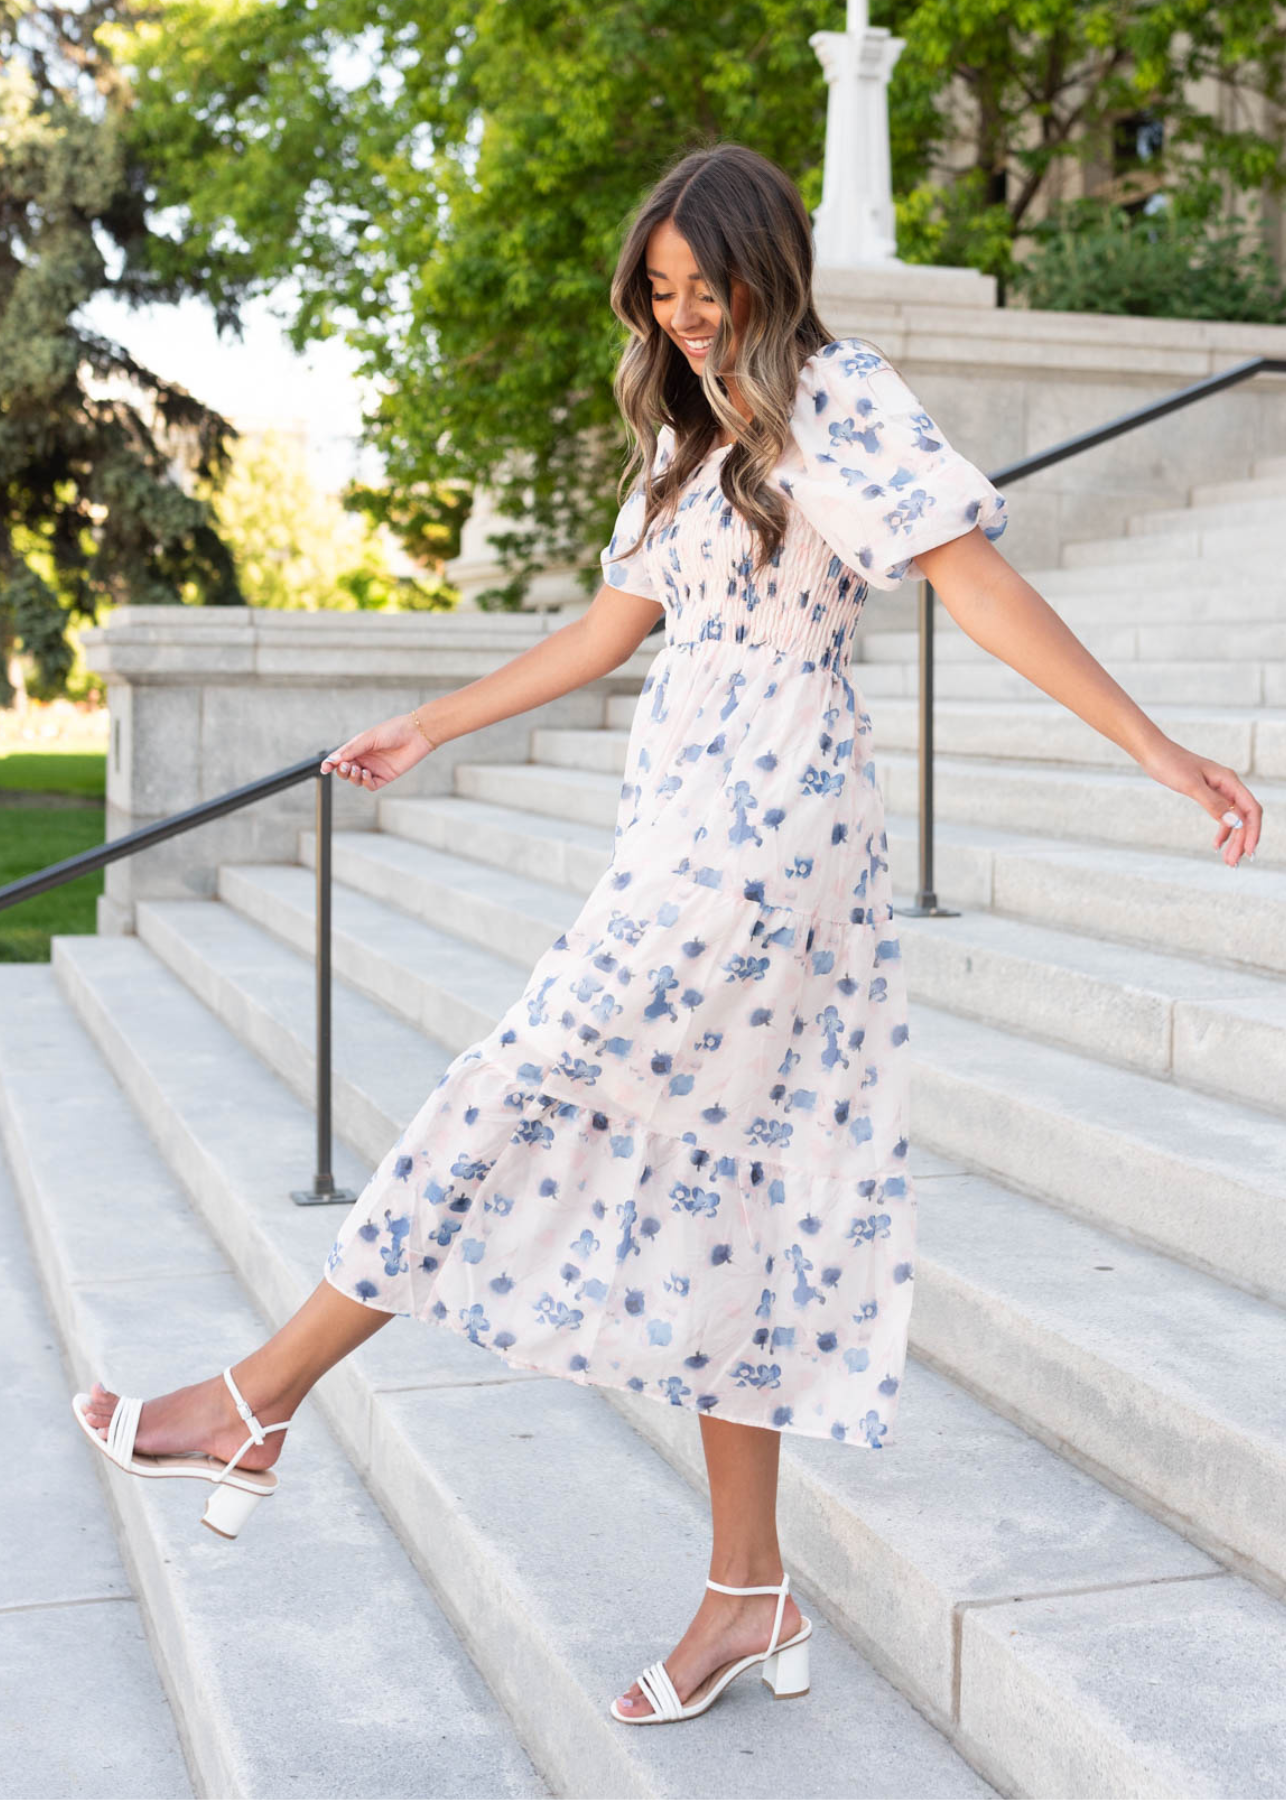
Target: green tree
pixel 1041 82
pixel 297 547
pixel 448 184
pixel 90 511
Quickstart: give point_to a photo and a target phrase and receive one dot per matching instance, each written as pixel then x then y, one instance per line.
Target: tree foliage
pixel 296 548
pixel 90 439
pixel 448 184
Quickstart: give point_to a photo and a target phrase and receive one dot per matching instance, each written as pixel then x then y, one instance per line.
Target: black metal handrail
pixel 926 901
pixel 323 1190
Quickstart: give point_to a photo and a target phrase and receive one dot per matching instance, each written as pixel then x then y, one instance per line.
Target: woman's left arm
pixel 997 608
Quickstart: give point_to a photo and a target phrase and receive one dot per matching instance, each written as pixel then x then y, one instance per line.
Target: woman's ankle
pixel 747 1568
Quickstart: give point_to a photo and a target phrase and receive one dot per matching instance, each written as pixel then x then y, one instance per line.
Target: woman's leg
pixel 273 1379
pixel 742 1464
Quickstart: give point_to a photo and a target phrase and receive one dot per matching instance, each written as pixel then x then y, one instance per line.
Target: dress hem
pixel 579 1379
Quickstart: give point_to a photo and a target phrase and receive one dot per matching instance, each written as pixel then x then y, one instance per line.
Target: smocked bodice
pixel 804 601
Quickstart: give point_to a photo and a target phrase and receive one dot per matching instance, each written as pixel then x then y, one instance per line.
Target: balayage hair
pixel 741 216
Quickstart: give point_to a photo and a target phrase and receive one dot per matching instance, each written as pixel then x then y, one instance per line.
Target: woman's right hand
pixel 374 758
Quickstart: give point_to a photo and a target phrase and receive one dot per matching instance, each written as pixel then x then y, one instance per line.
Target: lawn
pixel 52 772
pixel 32 836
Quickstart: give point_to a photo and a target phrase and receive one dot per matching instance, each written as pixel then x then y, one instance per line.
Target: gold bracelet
pixel 423 733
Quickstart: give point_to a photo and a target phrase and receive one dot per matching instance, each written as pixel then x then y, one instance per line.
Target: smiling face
pixel 682 305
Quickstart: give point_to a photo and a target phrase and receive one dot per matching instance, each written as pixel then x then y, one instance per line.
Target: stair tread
pixel 334 1599
pixel 484 975
pixel 371 1049
pixel 542 899
pixel 1135 1309
pixel 464 809
pixel 1198 1129
pixel 1126 966
pixel 58 1565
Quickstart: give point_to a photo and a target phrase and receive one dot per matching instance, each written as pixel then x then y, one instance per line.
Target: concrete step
pixel 266 993
pixel 499 1460
pixel 1258 487
pixel 1216 1030
pixel 567 852
pixel 479 905
pixel 1208 544
pixel 1159 1378
pixel 1108 806
pixel 278 1648
pixel 1269 468
pixel 1252 513
pixel 1258 684
pixel 85 1711
pixel 1174 904
pixel 1198 1178
pixel 1122 643
pixel 1251 740
pixel 501 837
pixel 425 976
pixel 1166 570
pixel 999 1309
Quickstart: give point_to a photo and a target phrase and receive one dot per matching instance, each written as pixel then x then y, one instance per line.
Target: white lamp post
pixel 854 225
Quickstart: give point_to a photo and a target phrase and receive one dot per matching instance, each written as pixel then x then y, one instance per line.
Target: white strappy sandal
pixel 785 1669
pixel 235 1495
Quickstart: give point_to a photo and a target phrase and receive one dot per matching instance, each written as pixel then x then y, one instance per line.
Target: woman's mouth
pixel 695 346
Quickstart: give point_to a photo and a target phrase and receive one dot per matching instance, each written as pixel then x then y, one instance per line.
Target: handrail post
pixel 926 901
pixel 323 1191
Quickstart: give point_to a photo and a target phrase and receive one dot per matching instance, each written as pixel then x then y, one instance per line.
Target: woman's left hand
pixel 1220 790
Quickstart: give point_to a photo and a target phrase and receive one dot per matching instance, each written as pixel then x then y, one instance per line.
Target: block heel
pixel 786 1672
pixel 228 1508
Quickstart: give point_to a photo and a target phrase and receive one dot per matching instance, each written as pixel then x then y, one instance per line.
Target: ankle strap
pixel 777 1587
pixel 257 1433
pixel 781 1589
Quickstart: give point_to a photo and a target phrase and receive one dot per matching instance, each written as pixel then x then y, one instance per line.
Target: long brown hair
pixel 742 216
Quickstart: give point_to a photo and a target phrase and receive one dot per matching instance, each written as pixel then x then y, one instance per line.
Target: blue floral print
pixel 677 1164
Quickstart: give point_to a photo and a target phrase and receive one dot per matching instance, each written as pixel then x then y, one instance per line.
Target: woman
pixel 678 1164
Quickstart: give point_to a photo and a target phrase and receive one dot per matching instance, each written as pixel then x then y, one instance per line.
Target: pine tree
pixel 94 447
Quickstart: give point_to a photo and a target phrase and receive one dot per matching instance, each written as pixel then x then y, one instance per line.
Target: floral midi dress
pixel 678 1163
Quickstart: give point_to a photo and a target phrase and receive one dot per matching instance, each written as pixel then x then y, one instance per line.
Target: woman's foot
pixel 726 1628
pixel 201 1417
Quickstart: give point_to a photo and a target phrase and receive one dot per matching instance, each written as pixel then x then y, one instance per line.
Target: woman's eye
pixel 663 296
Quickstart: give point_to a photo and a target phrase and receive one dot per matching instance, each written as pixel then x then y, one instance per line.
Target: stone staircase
pixel 1070 1577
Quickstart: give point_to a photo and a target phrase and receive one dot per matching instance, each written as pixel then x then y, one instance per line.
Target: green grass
pixel 52 772
pixel 30 839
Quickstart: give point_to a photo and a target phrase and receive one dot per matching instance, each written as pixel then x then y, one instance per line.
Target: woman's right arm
pixel 583 650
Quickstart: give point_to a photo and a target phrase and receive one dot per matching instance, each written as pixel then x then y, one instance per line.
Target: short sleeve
pixel 630 573
pixel 874 475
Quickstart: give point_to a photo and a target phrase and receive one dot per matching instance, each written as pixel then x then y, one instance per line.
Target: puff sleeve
pixel 631 573
pixel 872 472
